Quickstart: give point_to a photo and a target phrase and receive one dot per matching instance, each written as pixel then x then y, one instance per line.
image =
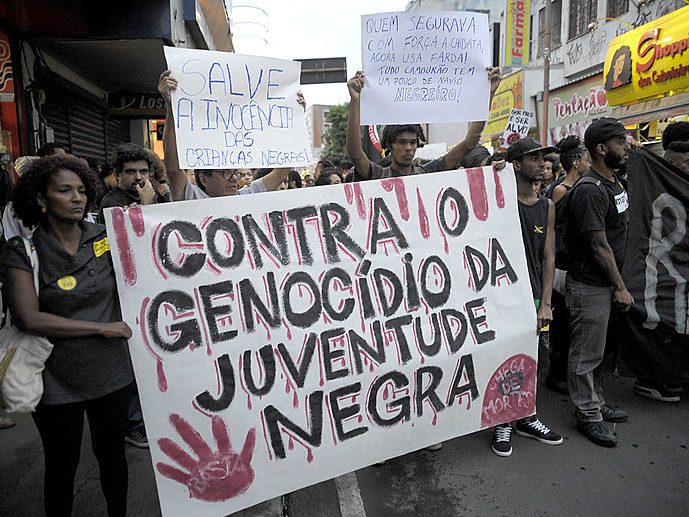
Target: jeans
pixel 589 308
pixel 60 427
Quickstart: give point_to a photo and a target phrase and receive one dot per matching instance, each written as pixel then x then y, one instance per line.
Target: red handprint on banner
pixel 215 476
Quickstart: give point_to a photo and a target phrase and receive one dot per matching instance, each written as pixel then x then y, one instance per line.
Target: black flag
pixel 654 334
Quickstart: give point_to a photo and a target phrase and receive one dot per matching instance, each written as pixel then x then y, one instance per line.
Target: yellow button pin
pixel 67 283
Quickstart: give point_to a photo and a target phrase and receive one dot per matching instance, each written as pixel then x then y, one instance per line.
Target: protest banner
pixel 322 330
pixel 424 67
pixel 517 125
pixel 236 111
pixel 654 333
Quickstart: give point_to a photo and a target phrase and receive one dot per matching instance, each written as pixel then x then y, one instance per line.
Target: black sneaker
pixel 656 391
pixel 502 440
pixel 539 431
pixel 613 414
pixel 137 437
pixel 598 433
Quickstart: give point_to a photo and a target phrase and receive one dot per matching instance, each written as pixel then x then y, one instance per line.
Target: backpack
pixel 563 214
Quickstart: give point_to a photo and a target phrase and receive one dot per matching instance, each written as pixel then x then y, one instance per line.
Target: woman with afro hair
pixel 76 308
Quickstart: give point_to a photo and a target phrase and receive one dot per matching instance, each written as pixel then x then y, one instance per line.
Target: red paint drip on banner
pixel 136 216
pixel 162 380
pixel 401 192
pixel 477 190
pixel 499 194
pixel 123 247
pixel 349 193
pixel 424 226
pixel 360 202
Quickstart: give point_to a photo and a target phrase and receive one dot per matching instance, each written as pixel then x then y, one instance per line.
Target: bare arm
pixel 274 178
pixel 603 256
pixel 176 177
pixel 545 310
pixel 558 192
pixel 26 314
pixel 459 151
pixel 354 149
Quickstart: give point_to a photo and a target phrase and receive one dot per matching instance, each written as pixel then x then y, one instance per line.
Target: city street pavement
pixel 646 474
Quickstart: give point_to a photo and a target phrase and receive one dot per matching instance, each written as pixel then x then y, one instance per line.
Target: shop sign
pixel 139 104
pixel 574 107
pixel 517 32
pixel 508 96
pixel 650 61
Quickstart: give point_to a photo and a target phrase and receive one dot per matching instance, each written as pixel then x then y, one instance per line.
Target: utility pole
pixel 546 74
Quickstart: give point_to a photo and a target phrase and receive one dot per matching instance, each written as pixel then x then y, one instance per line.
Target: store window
pixel 617 8
pixel 581 14
pixel 555 26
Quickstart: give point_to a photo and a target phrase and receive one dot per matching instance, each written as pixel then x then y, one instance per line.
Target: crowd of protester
pixel 58 203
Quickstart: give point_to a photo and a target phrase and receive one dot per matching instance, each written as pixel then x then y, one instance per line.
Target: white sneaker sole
pixel 500 453
pixel 542 440
pixel 652 394
pixel 136 444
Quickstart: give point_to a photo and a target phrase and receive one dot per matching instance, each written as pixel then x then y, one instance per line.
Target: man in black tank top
pixel 537 218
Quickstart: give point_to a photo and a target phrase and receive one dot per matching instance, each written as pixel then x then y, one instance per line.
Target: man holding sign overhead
pixel 401 141
pixel 230 112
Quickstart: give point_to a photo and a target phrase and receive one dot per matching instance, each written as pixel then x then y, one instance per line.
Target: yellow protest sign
pixel 509 95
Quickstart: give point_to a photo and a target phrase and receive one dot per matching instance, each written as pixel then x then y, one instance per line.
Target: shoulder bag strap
pixel 33 258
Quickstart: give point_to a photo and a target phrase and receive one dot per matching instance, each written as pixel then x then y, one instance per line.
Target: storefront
pixel 74 65
pixel 10 147
pixel 573 107
pixel 646 74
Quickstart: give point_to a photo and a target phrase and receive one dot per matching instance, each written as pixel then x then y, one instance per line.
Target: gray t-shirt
pixel 192 191
pixel 378 172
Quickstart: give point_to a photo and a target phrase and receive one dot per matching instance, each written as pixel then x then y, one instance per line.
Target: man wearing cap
pixel 537 218
pixel 596 242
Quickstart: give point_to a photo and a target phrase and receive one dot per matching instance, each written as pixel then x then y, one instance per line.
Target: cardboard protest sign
pixel 237 111
pixel 518 125
pixel 282 339
pixel 425 67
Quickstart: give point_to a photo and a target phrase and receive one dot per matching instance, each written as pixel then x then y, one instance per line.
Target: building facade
pixel 85 74
pixel 581 32
pixel 317 125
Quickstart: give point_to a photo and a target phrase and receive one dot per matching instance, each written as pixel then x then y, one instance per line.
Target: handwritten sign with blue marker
pixel 425 67
pixel 237 111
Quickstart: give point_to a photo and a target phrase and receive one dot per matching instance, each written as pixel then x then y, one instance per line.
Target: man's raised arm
pixel 177 179
pixel 354 149
pixel 454 157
